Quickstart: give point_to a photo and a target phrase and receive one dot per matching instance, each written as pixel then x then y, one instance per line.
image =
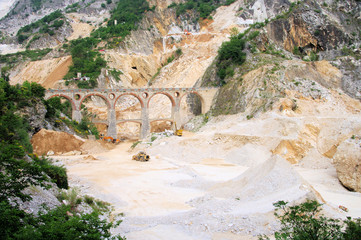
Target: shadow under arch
pixel 195 102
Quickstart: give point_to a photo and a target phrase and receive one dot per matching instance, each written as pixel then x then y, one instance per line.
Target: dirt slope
pixel 57 142
pixel 45 72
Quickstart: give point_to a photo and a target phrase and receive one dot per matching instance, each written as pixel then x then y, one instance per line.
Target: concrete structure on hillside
pixel 144 95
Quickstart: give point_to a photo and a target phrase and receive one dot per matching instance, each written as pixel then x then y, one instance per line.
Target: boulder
pixel 347 161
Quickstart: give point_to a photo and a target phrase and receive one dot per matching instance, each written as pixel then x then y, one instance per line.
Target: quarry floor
pixel 188 189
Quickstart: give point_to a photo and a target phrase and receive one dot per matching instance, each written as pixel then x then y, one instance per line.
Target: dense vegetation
pixel 305 221
pixel 36 4
pixel 203 7
pixel 86 61
pixel 127 14
pixel 47 24
pixel 230 54
pixel 20 169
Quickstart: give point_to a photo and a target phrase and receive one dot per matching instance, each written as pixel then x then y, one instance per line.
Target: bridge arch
pixel 98 95
pixel 164 99
pixel 66 97
pixel 129 94
pixel 199 96
pixel 171 98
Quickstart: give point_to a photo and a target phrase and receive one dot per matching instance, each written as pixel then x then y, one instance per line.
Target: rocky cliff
pixel 296 52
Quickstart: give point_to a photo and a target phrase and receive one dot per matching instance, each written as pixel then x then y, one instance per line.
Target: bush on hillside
pixel 305 221
pixel 47 24
pixel 128 14
pixel 230 54
pixel 56 173
pixel 31 55
pixel 85 60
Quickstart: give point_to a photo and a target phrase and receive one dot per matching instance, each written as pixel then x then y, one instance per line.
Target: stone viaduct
pixel 144 95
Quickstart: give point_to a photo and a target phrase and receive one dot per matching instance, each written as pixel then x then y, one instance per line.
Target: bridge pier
pixel 112 123
pixel 176 114
pixel 76 115
pixel 145 127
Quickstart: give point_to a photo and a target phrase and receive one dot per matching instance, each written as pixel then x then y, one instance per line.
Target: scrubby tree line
pixel 20 169
pixel 203 7
pixel 47 24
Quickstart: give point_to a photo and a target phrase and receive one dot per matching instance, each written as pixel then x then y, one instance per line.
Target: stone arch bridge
pixel 144 95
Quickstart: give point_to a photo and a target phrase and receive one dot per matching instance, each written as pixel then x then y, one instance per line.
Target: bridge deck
pixel 131 89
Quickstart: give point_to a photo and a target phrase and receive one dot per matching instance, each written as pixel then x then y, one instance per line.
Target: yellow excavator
pixel 141 156
pixel 178 132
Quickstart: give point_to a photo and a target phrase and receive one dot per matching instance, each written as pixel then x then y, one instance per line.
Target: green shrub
pixel 12 219
pixel 296 51
pixel 57 224
pixel 116 74
pixel 88 200
pixel 56 173
pixel 135 144
pixel 72 8
pixel 229 2
pixel 305 221
pixel 313 56
pixel 172 5
pixel 253 35
pixel 203 7
pixel 36 4
pixel 230 54
pixel 84 128
pixel 233 50
pixel 170 59
pixel 353 229
pixel 178 52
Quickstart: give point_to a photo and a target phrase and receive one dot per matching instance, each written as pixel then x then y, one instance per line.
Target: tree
pixel 19 169
pixel 305 221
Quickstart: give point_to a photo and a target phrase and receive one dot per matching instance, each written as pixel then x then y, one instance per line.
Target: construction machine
pixel 141 156
pixel 178 132
pixel 109 139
